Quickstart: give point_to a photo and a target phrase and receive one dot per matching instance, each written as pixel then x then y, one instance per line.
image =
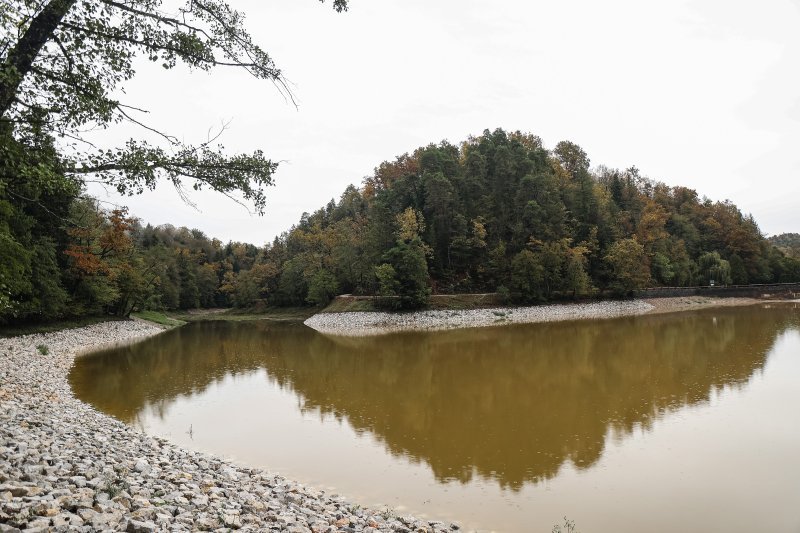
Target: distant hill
pixel 788 243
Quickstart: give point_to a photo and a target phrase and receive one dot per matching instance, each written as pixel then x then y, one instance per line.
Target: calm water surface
pixel 659 423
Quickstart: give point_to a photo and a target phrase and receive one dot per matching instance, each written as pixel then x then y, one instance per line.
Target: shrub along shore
pixel 66 466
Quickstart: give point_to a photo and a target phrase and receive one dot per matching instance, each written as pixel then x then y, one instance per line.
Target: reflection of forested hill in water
pixel 512 404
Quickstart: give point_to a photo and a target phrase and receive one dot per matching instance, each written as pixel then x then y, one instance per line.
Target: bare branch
pixel 70 61
pixel 169 138
pixel 159 18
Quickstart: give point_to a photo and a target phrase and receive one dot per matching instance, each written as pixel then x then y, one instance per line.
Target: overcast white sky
pixel 701 93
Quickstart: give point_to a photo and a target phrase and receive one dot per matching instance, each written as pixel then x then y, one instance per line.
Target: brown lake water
pixel 679 422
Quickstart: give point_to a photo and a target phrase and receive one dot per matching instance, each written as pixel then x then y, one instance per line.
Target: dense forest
pixel 64 65
pixel 498 213
pixel 502 213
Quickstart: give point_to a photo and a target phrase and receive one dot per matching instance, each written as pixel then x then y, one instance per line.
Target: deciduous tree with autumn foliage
pixel 497 213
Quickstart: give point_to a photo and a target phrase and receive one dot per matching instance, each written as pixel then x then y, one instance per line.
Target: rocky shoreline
pixel 352 324
pixel 66 467
pixel 364 323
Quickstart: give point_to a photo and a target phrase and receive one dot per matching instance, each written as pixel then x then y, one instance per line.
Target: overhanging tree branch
pixel 71 55
pixel 20 59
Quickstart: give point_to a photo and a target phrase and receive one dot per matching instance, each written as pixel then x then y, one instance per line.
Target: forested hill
pixel 788 243
pixel 502 213
pixel 498 212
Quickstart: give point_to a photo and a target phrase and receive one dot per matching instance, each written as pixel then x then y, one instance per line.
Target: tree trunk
pixel 20 59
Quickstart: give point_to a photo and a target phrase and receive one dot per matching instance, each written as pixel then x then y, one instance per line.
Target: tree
pixel 408 259
pixel 188 292
pixel 98 255
pixel 62 60
pixel 527 277
pixel 738 270
pixel 322 288
pixel 388 286
pixel 628 266
pixel 15 268
pixel 439 200
pixel 663 271
pixel 576 279
pixel 411 272
pixel 207 284
pixel 714 269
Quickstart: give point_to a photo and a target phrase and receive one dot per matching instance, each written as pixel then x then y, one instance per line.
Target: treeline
pixel 502 213
pixel 77 259
pixel 65 255
pixel 498 213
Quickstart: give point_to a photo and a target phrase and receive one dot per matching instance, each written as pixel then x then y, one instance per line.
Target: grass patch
pixel 43 349
pixel 348 304
pixel 158 318
pixel 465 301
pixel 242 315
pixel 444 302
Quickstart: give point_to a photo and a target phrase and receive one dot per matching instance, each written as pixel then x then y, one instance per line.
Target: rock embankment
pixel 66 467
pixel 376 323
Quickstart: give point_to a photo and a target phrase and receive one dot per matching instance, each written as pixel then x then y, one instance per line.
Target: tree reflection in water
pixel 510 403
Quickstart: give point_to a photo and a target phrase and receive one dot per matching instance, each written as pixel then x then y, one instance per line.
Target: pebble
pixel 64 466
pixel 363 323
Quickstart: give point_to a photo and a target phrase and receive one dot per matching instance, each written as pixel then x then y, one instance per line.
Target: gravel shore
pixel 354 324
pixel 66 467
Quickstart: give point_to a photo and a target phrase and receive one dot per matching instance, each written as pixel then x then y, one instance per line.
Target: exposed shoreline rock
pixel 64 466
pixel 352 324
pixel 365 323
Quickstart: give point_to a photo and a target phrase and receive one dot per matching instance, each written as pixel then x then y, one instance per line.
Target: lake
pixel 682 421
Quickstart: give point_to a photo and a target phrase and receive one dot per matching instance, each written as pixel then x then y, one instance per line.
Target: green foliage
pixel 60 63
pixel 189 294
pixel 15 273
pixel 576 279
pixel 663 272
pixel 49 299
pixel 293 286
pixel 411 272
pixel 714 269
pixel 42 349
pixel 322 288
pixel 527 277
pixel 627 263
pixel 496 213
pixel 788 243
pixel 504 294
pixel 388 287
pixel 158 318
pixel 738 270
pixel 62 60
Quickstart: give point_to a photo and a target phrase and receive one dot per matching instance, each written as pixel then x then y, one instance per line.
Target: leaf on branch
pixel 138 166
pixel 61 60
